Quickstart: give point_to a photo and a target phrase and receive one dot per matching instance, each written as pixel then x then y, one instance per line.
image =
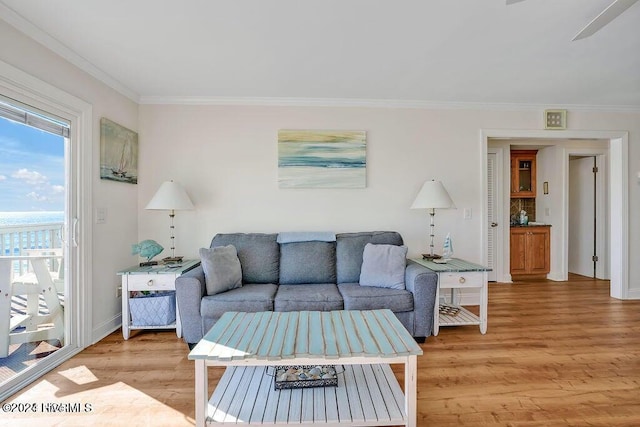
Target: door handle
pixel 74 232
pixel 494 224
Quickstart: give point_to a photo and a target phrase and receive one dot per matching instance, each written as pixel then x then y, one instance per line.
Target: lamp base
pixel 429 256
pixel 171 260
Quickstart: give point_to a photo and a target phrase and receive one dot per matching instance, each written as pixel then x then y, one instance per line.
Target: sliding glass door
pixel 34 237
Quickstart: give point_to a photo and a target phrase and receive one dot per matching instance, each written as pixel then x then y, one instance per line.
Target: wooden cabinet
pixel 523 173
pixel 530 250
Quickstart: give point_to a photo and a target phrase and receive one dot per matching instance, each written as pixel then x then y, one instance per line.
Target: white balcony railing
pixel 17 240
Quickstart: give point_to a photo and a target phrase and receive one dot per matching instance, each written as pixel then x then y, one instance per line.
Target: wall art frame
pixel 118 152
pixel 322 158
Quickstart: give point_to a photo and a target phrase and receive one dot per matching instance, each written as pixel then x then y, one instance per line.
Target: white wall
pixel 111 241
pixel 226 156
pixel 549 206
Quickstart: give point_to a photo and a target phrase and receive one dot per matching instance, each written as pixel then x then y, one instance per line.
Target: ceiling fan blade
pixel 607 15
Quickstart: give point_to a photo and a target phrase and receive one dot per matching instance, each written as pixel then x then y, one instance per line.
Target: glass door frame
pixel 28 90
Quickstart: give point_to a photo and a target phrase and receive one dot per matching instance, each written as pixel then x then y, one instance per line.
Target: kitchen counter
pixel 530 225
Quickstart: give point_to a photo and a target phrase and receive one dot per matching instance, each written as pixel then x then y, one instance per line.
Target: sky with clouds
pixel 31 169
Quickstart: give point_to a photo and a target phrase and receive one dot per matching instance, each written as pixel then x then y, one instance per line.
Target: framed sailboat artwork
pixel 118 152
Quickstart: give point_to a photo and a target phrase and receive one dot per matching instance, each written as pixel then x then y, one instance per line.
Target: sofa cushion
pixel 358 297
pixel 383 266
pixel 307 262
pixel 308 297
pixel 222 271
pixel 350 247
pixel 250 298
pixel 259 255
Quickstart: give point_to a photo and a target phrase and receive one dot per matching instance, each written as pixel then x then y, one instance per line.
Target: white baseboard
pixel 556 276
pixel 633 294
pixel 506 279
pixel 106 328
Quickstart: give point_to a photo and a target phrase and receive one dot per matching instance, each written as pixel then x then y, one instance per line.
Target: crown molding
pixel 374 103
pixel 26 27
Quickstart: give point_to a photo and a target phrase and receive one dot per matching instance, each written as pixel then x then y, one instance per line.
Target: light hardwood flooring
pixel 555 354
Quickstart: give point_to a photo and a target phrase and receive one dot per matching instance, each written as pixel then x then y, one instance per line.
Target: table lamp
pixel 432 196
pixel 171 197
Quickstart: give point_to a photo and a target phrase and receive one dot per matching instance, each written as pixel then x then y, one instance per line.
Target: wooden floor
pixel 555 354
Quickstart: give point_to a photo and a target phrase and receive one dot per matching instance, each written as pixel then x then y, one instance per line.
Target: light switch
pixel 101 215
pixel 467 213
pixel 547 212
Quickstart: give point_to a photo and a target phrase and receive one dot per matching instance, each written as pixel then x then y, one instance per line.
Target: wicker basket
pixel 157 309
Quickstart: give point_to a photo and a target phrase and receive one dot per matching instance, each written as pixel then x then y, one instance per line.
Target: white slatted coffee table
pixel 365 342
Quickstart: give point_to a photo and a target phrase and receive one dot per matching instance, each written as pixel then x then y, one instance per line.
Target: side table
pixel 151 278
pixel 459 274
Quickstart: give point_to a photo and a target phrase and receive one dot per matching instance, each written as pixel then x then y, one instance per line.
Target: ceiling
pixel 403 52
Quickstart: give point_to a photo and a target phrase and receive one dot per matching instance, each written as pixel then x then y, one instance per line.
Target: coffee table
pixel 365 342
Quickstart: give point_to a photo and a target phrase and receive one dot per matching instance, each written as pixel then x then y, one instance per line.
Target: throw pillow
pixel 222 269
pixel 383 266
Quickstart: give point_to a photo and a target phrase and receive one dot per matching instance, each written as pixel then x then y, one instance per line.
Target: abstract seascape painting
pixel 322 159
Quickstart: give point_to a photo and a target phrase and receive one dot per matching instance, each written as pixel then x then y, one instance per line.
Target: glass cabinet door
pixel 524 178
pixel 523 173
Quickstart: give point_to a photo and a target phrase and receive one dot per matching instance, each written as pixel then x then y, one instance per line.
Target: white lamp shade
pixel 170 196
pixel 432 195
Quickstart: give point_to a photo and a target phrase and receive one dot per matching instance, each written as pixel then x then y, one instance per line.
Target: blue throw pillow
pixel 222 269
pixel 383 266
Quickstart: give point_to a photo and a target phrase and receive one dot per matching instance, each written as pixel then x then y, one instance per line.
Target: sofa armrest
pixel 190 289
pixel 422 283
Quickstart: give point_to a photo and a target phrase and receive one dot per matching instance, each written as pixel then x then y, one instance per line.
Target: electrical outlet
pixel 119 292
pixel 467 213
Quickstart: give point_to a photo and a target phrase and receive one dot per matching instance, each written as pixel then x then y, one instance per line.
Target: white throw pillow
pixel 222 269
pixel 383 266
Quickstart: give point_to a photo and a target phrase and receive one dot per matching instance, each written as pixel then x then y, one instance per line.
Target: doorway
pixel 587 214
pixel 33 237
pixel 617 218
pixel 66 263
pixel 582 216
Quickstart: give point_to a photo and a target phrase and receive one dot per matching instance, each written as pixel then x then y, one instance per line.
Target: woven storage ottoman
pixel 153 310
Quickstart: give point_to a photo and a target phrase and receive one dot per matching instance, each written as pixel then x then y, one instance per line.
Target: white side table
pixel 152 278
pixel 459 274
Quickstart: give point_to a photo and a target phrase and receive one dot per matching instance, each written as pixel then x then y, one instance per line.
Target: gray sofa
pixel 305 275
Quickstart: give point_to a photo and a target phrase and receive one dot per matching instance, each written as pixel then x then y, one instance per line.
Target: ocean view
pixel 23 218
pixel 29 230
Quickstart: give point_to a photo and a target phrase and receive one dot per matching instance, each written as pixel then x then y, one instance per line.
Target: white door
pixel 582 216
pixel 492 214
